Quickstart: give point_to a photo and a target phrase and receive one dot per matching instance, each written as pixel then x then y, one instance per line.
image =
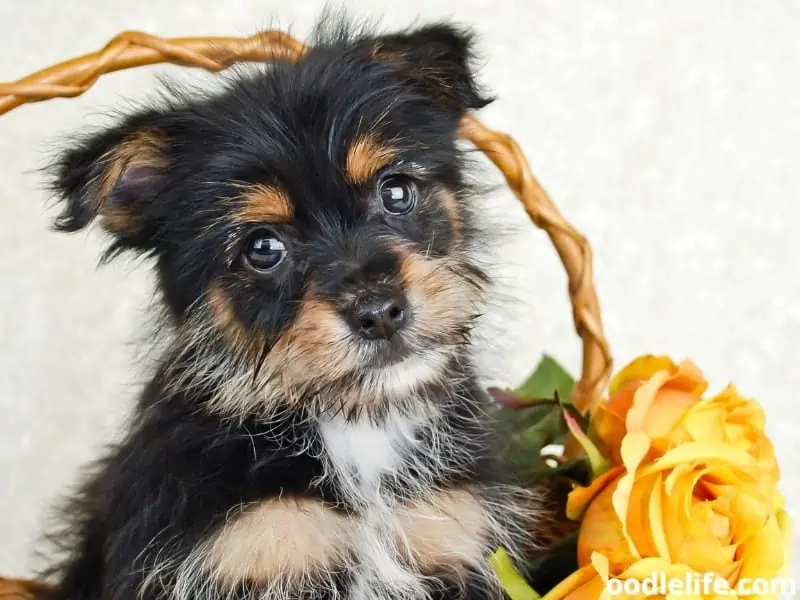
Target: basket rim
pixel 131 49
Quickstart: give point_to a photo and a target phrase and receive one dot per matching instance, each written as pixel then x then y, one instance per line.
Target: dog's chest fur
pixel 365 458
pixel 399 518
pixel 360 453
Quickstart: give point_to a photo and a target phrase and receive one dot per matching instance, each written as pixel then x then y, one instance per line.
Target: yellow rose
pixel 656 399
pixel 661 391
pixel 675 520
pixel 691 490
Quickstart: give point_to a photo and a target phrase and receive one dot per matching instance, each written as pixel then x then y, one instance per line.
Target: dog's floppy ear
pixel 438 58
pixel 114 175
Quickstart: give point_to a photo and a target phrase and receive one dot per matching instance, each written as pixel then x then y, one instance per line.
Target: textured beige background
pixel 668 132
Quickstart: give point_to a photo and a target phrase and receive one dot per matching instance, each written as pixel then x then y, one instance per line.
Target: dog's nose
pixel 379 318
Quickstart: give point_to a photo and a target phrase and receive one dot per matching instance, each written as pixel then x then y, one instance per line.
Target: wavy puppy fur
pixel 314 429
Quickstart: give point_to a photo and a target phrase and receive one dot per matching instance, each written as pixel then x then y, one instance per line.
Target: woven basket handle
pixel 132 49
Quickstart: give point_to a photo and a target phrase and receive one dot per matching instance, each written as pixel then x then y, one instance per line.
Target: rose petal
pixel 642 400
pixel 640 369
pixel 702 452
pixel 741 409
pixel 656 519
pixel 572 587
pixel 620 402
pixel 600 564
pixel 594 589
pixel 608 428
pixel 703 551
pixel 580 497
pixel 646 567
pixel 704 424
pixel 747 504
pixel 689 378
pixel 634 449
pixel 674 475
pixel 762 554
pixel 638 520
pixel 601 531
pixel 668 408
pixel 785 526
pixel 676 507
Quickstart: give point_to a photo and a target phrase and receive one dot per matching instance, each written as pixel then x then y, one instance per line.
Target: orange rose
pixel 692 489
pixel 655 399
pixel 661 391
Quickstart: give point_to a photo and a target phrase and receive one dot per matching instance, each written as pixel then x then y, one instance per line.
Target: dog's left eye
pixel 398 194
pixel 263 252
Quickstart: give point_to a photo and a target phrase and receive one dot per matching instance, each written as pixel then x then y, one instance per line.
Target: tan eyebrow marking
pixel 365 157
pixel 267 203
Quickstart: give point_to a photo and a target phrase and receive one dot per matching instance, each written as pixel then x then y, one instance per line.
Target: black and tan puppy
pixel 315 429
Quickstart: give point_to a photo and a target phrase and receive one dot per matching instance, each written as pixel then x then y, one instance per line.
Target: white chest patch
pixel 360 455
pixel 360 452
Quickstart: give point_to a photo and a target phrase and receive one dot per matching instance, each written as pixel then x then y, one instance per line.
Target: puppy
pixel 314 428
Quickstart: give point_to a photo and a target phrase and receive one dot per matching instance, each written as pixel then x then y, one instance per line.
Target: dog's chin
pixel 402 376
pixel 397 369
pixel 385 353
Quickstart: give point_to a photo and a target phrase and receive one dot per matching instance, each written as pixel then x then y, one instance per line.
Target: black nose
pixel 379 318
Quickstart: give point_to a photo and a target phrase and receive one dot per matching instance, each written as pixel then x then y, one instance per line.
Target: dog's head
pixel 310 223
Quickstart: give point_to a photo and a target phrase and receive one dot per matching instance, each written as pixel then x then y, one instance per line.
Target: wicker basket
pixel 132 49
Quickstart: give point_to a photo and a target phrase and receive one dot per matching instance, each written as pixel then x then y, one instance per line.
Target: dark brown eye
pixel 263 252
pixel 398 194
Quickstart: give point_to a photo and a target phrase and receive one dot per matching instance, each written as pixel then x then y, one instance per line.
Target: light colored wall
pixel 668 132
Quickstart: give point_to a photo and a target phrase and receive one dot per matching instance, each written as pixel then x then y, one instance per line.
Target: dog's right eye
pixel 263 252
pixel 398 194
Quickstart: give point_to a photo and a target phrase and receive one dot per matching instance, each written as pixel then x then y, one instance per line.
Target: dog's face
pixel 310 224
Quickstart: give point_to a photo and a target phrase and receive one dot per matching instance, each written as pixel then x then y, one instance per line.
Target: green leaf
pixel 531 416
pixel 513 583
pixel 532 430
pixel 544 432
pixel 549 380
pixel 600 464
pixel 516 400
